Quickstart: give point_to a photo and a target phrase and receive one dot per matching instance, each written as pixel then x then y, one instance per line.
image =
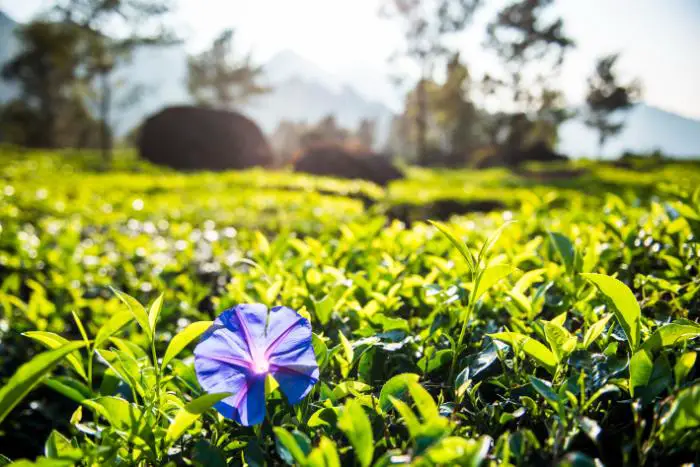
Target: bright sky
pixel 659 39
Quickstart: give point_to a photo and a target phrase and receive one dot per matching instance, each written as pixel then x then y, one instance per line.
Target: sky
pixel 658 40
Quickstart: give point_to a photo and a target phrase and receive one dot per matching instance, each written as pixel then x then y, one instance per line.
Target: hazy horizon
pixel 656 42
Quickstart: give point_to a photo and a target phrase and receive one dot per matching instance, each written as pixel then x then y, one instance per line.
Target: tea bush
pixel 560 331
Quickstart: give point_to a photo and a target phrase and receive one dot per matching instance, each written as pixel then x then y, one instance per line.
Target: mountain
pixel 301 91
pixel 647 128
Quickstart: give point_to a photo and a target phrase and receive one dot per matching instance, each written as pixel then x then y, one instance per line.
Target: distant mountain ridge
pixel 303 91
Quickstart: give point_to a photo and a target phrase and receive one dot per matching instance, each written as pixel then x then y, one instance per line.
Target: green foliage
pixel 472 341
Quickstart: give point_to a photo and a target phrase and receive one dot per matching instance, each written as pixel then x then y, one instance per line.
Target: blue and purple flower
pixel 243 346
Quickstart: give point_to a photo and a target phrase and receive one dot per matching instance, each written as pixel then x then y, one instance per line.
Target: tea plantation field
pixel 552 321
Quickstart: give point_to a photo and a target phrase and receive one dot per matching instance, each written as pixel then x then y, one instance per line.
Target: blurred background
pixel 456 83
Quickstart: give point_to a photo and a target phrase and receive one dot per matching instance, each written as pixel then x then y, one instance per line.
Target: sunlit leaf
pixel 54 341
pixel 137 310
pixel 461 247
pixel 183 339
pixel 624 305
pixel 534 349
pixel 30 374
pixel 396 387
pixel 357 428
pixel 190 413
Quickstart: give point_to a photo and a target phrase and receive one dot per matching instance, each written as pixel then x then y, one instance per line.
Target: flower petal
pixel 250 407
pixel 288 332
pixel 229 335
pixel 247 321
pixel 215 376
pixel 296 376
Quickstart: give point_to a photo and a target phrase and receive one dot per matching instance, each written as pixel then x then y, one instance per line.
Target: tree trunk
pixel 105 133
pixel 421 123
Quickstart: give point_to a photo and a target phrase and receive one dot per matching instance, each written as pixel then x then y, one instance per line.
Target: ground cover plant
pixel 558 329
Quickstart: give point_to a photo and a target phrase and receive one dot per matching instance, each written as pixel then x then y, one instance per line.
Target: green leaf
pixel 320 350
pixel 683 416
pixel 121 414
pixel 58 446
pixel 207 455
pixel 544 388
pixel 190 413
pixel 424 402
pixel 595 331
pixel 684 364
pixel 357 428
pixel 409 418
pixel 672 334
pixel 80 326
pixel 641 368
pixel 325 455
pixel 490 277
pixel 137 310
pixel 624 303
pixel 560 340
pixel 327 416
pixel 182 340
pixel 115 323
pixel 54 341
pixel 661 380
pixel 72 389
pixel 454 450
pixel 346 362
pixel 30 374
pixel 565 250
pixel 154 312
pixel 461 247
pixel 435 361
pixel 534 349
pixel 290 444
pixel 397 387
pixel 490 242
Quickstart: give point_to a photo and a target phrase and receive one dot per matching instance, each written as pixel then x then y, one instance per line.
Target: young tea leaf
pixel 356 425
pixel 595 331
pixel 190 413
pixel 54 341
pixel 560 340
pixel 490 277
pixel 137 310
pixel 289 444
pixel 397 387
pixel 30 374
pixel 154 312
pixel 624 304
pixel 114 324
pixel 182 340
pixel 531 347
pixel 641 368
pixel 461 247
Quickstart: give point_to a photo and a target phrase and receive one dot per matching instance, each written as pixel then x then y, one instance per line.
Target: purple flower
pixel 243 346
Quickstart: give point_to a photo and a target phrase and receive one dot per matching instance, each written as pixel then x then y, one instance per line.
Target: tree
pixel 607 99
pixel 455 112
pixel 216 78
pixel 522 39
pixel 114 29
pixel 365 132
pixel 50 112
pixel 426 25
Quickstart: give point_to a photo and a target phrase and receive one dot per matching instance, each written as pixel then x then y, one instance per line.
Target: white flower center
pixel 261 366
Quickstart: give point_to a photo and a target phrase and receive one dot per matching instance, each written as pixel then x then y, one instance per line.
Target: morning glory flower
pixel 243 346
